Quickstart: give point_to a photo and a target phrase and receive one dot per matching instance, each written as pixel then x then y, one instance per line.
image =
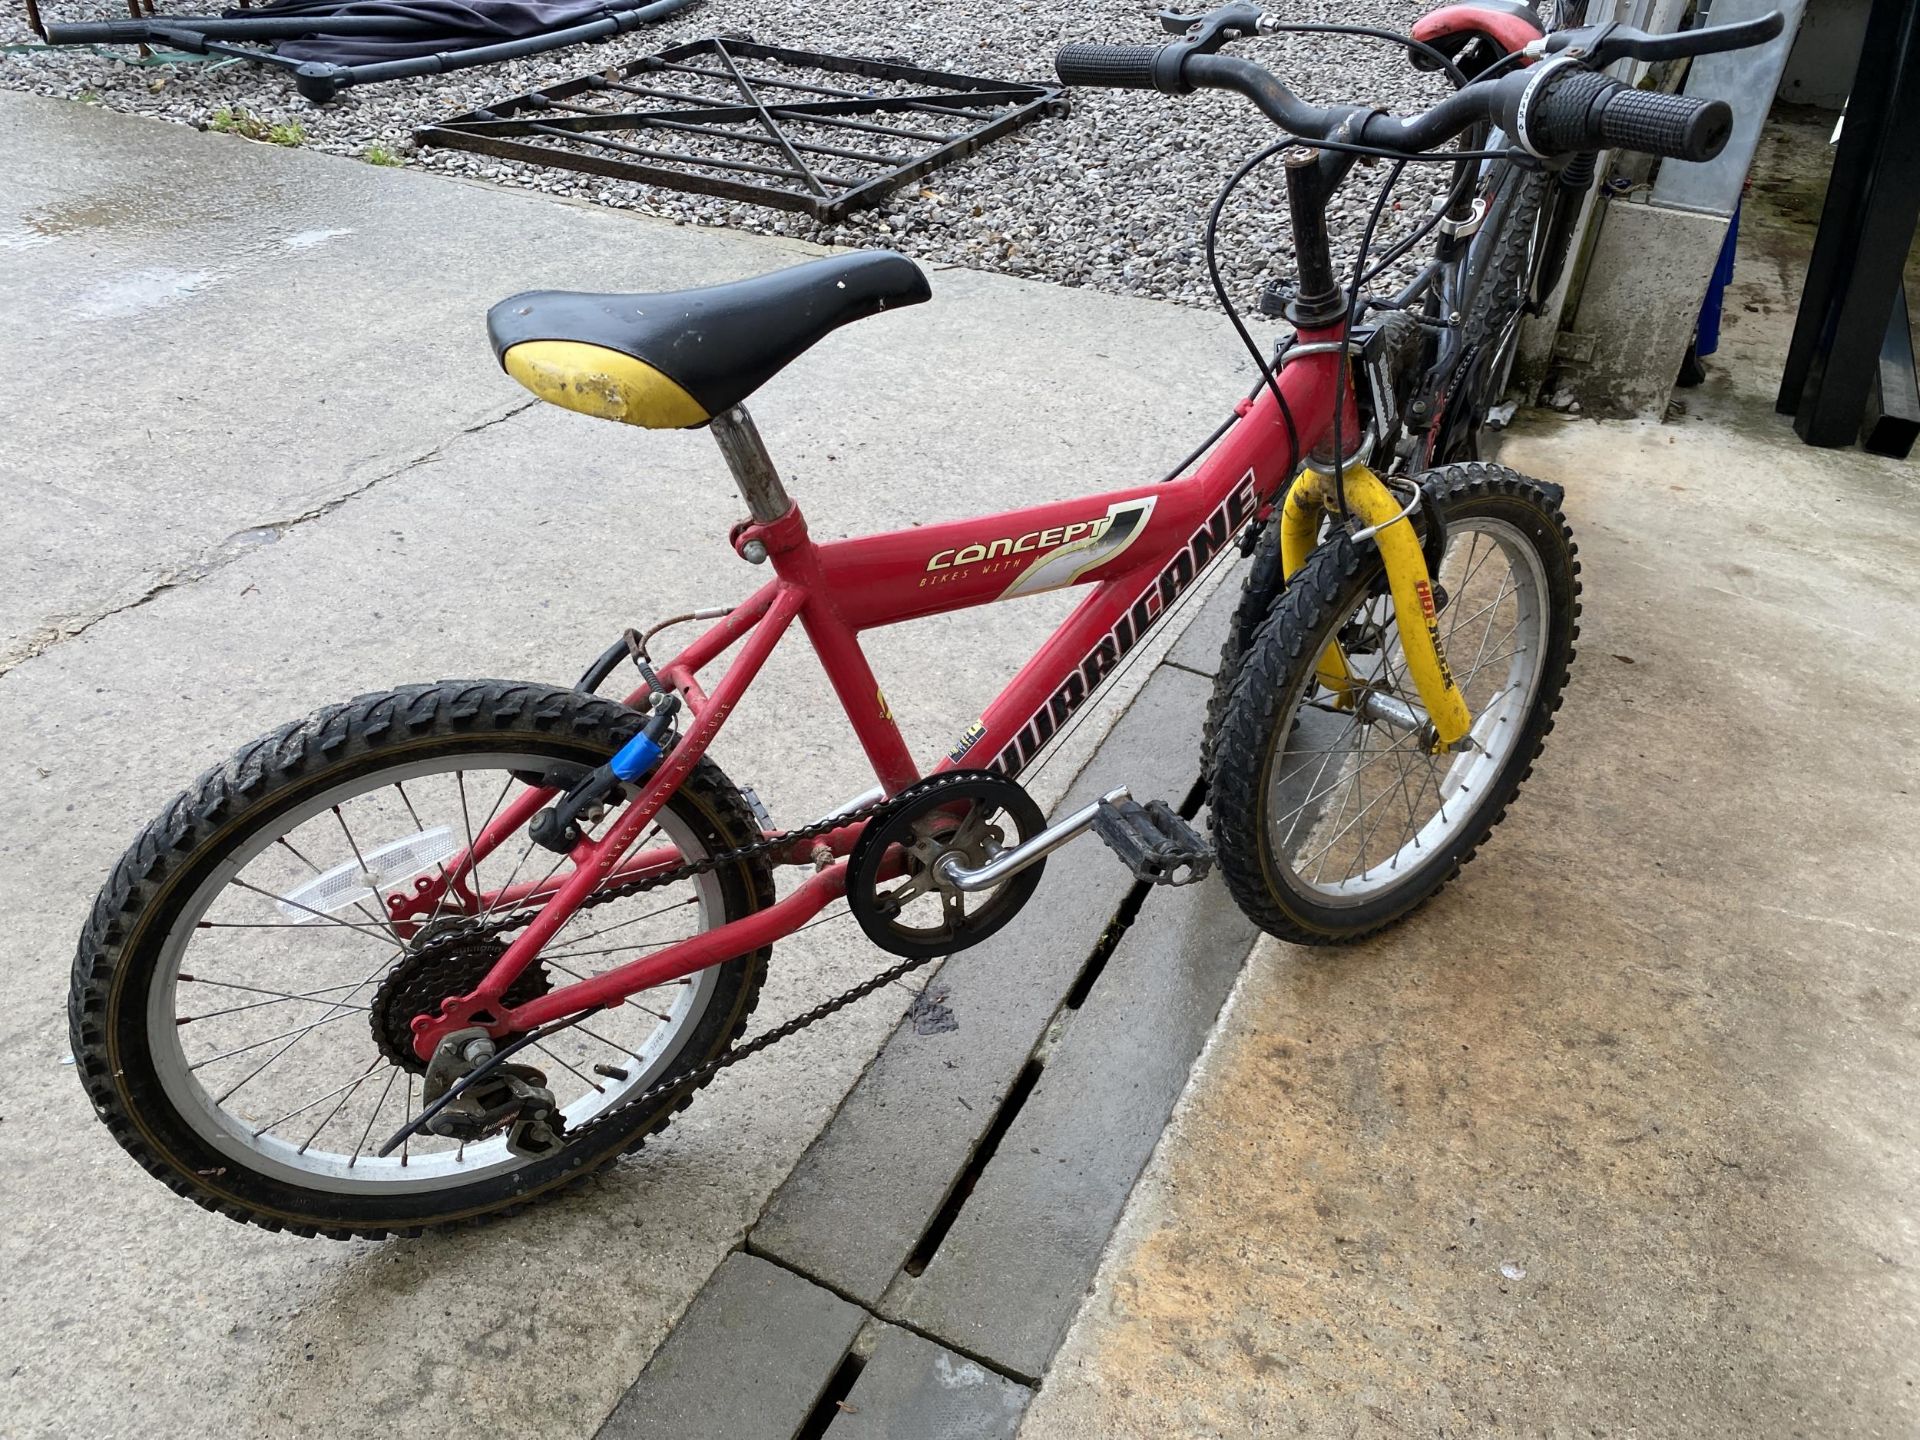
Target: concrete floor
pixel 258 457
pixel 1618 1137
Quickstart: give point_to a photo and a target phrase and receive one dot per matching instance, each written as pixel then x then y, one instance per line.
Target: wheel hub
pixel 444 962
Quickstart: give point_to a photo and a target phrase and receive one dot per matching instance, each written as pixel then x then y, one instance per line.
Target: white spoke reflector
pixel 350 883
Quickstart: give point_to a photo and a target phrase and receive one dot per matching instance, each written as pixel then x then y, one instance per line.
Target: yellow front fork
pixel 1372 503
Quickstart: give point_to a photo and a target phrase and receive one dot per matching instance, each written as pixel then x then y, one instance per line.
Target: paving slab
pixel 415 539
pixel 858 1203
pixel 1009 1277
pixel 911 1387
pixel 747 1362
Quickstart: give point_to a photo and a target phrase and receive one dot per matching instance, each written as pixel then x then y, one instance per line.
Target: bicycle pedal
pixel 1154 842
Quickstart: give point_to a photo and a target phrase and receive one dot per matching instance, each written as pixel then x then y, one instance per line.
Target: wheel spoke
pixel 317 914
pixel 624 1000
pixel 298 1035
pixel 287 845
pixel 303 1109
pixel 1352 727
pixel 367 876
pixel 335 1011
pixel 313 998
pixel 591 1084
pixel 339 1104
pixel 1377 757
pixel 623 924
pixel 386 1090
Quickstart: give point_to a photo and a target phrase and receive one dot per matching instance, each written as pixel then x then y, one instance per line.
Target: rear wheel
pixel 242 992
pixel 1333 820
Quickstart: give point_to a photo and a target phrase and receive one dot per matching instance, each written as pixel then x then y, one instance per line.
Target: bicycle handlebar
pixel 1556 108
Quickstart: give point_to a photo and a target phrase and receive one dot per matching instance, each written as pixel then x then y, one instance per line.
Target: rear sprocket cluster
pixel 449 959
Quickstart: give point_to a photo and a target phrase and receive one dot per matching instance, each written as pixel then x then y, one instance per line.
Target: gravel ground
pixel 1114 196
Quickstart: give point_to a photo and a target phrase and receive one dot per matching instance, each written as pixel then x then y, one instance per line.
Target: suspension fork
pixel 1374 506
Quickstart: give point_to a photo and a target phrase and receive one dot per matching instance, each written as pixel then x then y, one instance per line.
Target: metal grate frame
pixel 829 151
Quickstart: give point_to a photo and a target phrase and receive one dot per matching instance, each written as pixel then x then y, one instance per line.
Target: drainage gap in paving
pixel 949 1211
pixel 1123 918
pixel 830 1406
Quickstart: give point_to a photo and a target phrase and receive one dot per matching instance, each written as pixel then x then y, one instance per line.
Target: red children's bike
pixel 432 954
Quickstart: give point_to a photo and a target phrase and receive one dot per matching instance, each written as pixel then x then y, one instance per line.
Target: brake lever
pixel 1204 34
pixel 1602 45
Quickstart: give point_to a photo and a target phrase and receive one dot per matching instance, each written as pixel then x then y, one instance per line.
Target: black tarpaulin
pixel 457 25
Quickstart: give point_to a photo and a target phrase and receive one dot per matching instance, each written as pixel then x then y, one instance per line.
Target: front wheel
pixel 243 990
pixel 1331 816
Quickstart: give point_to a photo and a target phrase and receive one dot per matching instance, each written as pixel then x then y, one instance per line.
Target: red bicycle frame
pixel 1139 549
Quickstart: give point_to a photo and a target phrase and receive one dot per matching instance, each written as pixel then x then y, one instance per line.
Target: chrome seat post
pixel 752 467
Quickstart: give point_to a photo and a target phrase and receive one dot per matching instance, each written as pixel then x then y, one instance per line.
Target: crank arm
pixel 1011 862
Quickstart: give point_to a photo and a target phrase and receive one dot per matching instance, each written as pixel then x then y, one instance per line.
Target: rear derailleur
pixel 508 1097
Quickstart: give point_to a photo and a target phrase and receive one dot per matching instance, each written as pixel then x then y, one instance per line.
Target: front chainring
pixel 965 813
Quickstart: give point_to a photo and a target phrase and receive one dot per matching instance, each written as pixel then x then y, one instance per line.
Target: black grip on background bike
pixel 1591 112
pixel 1117 67
pixel 1681 127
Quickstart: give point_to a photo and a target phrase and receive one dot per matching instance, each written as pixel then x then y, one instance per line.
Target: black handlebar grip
pixel 1585 111
pixel 1681 127
pixel 1118 67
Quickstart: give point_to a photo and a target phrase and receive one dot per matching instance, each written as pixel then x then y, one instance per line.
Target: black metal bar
pixel 868 193
pixel 1892 420
pixel 827 90
pixel 855 65
pixel 678 156
pixel 928 103
pixel 584 120
pixel 849 123
pixel 1866 228
pixel 828 114
pixel 813 181
pixel 696 183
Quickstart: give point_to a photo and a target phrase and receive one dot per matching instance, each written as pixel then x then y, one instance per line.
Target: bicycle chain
pixel 699 1075
pixel 693 868
pixel 692 1079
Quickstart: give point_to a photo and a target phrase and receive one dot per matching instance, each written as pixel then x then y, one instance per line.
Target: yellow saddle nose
pixel 597 381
